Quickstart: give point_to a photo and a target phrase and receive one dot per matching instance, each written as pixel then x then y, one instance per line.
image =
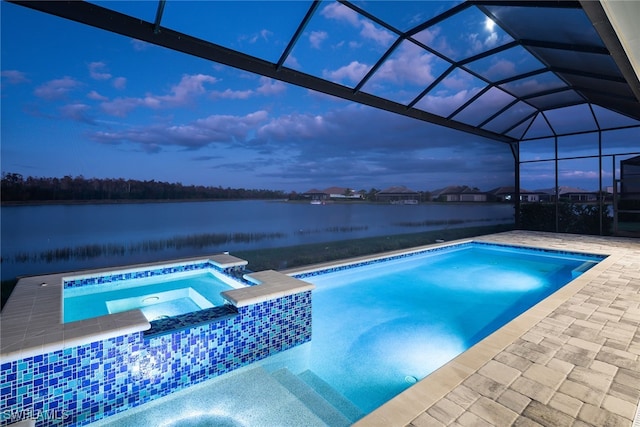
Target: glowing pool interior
pixel 381 325
pixel 410 314
pixel 158 297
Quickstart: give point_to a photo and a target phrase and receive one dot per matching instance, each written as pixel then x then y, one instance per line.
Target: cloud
pixel 477 43
pixel 292 62
pixel 263 34
pixel 139 45
pixel 269 87
pixel 119 83
pixel 433 38
pixel 95 96
pixel 338 12
pixel 14 77
pixel 458 81
pixel 491 40
pixel 361 145
pixel 266 87
pixel 356 131
pixel 206 158
pixel 579 174
pixel 189 87
pixel 229 128
pixel 354 72
pixel 78 112
pixel 317 37
pixel 294 128
pixel 232 94
pixel 121 106
pixel 370 147
pixel 500 69
pixel 410 64
pixel 379 35
pixel 443 103
pixel 56 89
pixel 214 129
pixel 459 45
pixel 97 71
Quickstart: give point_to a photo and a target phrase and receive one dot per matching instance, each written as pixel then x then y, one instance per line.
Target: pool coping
pixel 410 407
pixel 27 320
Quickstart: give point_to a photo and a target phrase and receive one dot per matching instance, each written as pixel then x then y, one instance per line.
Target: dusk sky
pixel 82 101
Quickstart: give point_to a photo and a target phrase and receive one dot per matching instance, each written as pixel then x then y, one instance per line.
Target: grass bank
pixel 298 256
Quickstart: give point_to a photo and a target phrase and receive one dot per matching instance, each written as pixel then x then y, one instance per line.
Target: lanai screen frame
pixel 153 32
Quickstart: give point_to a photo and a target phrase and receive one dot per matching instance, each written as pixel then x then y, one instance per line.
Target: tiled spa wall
pixel 80 385
pixel 101 279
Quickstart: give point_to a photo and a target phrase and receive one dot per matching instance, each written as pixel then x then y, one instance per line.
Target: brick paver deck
pixel 572 360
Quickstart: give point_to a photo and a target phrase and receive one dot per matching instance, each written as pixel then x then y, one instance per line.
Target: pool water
pixel 381 326
pixel 157 297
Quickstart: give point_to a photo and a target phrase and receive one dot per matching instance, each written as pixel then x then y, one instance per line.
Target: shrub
pixel 572 218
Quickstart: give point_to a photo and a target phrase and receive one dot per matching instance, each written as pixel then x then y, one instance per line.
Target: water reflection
pixel 44 239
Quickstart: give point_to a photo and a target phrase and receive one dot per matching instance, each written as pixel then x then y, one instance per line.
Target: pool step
pixel 311 399
pixel 582 268
pixel 337 400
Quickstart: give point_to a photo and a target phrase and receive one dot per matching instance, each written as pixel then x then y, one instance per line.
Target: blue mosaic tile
pixel 187 320
pixel 441 249
pixel 79 385
pixel 379 260
pixel 543 250
pixel 235 273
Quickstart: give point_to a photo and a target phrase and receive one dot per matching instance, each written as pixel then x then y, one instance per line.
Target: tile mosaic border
pixel 451 247
pixel 189 320
pixel 100 279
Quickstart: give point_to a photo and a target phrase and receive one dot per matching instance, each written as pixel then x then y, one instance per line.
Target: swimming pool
pixel 380 325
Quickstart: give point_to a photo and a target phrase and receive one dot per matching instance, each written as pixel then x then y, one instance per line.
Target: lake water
pixel 52 238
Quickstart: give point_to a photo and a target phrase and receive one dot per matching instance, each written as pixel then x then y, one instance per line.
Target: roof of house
pixel 511 190
pixel 398 189
pixel 330 190
pixel 336 190
pixel 455 189
pixel 564 189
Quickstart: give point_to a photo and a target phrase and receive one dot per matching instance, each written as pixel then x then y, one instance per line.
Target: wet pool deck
pixel 572 360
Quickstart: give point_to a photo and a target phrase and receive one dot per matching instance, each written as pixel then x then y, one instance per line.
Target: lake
pixel 52 238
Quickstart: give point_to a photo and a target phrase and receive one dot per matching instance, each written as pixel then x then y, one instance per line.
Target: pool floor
pixel 250 396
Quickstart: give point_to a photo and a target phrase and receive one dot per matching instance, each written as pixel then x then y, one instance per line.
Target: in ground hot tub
pixel 159 293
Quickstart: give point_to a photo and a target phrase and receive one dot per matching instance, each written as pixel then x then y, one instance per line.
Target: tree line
pixel 16 188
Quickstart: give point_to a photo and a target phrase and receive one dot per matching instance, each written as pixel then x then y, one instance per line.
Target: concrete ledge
pixel 32 321
pixel 270 284
pixel 227 261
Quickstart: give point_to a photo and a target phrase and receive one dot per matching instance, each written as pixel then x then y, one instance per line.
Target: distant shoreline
pixel 115 202
pixel 149 201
